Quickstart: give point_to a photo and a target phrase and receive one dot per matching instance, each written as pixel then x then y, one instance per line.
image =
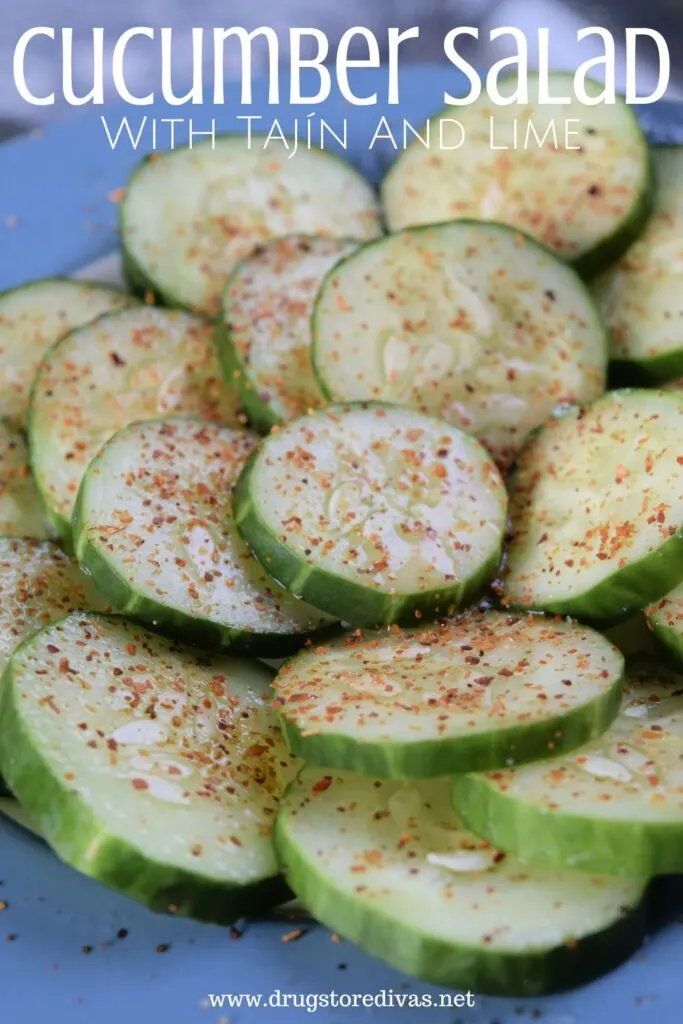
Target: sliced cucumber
pixel 153 525
pixel 468 321
pixel 190 215
pixel 133 365
pixel 38 584
pixel 147 766
pixel 597 509
pixel 613 806
pixel 487 690
pixel 264 337
pixel 21 511
pixel 389 867
pixel 584 190
pixel 640 295
pixel 665 619
pixel 373 513
pixel 32 318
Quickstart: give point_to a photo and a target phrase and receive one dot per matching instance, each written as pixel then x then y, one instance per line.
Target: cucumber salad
pixel 425 443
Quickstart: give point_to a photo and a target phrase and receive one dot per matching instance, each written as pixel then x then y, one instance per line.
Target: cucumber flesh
pixel 32 318
pixel 612 806
pixel 264 335
pixel 640 295
pixel 190 215
pixel 373 513
pixel 586 195
pixel 154 527
pixel 389 867
pixel 21 511
pixel 134 365
pixel 487 689
pixel 467 321
pixel 38 584
pixel 147 766
pixel 596 509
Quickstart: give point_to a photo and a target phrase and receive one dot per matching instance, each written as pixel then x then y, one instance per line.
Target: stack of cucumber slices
pixel 393 459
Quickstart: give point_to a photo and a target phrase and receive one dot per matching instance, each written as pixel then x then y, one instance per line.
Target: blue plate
pixel 72 951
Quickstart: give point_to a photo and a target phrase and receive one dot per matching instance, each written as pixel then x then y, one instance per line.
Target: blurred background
pixel 435 18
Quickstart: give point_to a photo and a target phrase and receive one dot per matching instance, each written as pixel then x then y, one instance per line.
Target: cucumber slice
pixel 468 321
pixel 32 318
pixel 190 215
pixel 586 194
pixel 389 867
pixel 373 513
pixel 153 525
pixel 665 619
pixel 264 337
pixel 38 584
pixel 21 511
pixel 483 691
pixel 640 295
pixel 133 365
pixel 613 806
pixel 597 509
pixel 146 765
